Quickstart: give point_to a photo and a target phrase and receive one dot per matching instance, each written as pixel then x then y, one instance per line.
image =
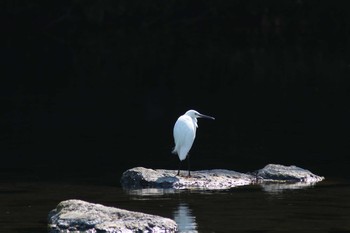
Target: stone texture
pixel 140 177
pixel 81 216
pixel 276 172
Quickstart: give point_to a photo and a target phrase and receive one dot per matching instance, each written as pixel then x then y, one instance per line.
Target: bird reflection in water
pixel 186 222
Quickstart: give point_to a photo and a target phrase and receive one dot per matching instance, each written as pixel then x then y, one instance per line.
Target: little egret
pixel 185 133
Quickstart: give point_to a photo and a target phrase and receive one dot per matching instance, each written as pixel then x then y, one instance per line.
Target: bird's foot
pixel 188 176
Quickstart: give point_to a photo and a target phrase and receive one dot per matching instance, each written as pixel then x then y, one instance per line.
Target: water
pixel 325 207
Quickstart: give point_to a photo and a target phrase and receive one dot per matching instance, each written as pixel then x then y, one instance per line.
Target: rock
pixel 81 216
pixel 275 173
pixel 140 177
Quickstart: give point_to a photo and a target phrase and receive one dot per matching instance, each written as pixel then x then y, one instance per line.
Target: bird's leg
pixel 188 162
pixel 178 172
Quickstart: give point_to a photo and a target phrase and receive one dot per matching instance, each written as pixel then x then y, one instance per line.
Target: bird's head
pixel 194 114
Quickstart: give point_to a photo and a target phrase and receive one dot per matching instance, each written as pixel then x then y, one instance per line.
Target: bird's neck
pixel 195 122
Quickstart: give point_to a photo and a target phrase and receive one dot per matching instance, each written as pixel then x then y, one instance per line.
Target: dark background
pixel 91 88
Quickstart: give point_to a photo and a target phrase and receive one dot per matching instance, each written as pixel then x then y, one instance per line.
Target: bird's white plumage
pixel 185 132
pixel 184 135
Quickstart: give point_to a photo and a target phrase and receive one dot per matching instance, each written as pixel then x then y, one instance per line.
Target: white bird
pixel 185 133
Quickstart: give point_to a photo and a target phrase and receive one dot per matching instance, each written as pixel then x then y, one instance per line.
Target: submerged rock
pixel 81 216
pixel 140 177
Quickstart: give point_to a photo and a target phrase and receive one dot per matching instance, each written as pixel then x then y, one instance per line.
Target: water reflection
pixel 150 191
pixel 270 187
pixel 186 222
pixel 280 187
pixel 182 214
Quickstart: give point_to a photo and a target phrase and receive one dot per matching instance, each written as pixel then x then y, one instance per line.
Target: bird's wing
pixel 184 134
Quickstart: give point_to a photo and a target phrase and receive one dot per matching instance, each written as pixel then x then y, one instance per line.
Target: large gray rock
pixel 81 216
pixel 140 177
pixel 276 172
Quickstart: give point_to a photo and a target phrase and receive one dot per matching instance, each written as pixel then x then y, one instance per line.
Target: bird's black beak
pixel 205 116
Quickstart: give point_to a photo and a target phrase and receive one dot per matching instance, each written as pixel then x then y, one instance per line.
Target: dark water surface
pixel 324 207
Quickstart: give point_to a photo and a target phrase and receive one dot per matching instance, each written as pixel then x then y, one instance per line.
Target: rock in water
pixel 140 177
pixel 276 172
pixel 81 216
